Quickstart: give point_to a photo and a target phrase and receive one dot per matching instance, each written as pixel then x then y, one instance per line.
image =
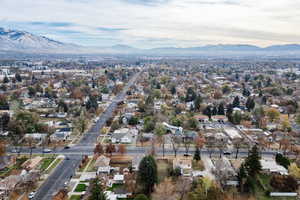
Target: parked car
pixel 47 150
pixel 15 150
pixel 31 195
pixel 67 147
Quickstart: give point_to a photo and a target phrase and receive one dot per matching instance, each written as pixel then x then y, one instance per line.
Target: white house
pixel 270 166
pixel 118 179
pixel 102 163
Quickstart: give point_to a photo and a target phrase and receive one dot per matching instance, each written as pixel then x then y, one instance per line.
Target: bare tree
pixel 187 141
pixel 221 145
pixel 30 142
pixel 183 186
pixel 176 143
pixel 166 190
pixel 237 143
pixel 210 144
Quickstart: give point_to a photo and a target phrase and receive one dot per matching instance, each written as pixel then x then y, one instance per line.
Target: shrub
pixel 283 183
pixel 282 160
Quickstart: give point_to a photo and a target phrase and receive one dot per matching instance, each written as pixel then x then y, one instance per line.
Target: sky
pixel 156 23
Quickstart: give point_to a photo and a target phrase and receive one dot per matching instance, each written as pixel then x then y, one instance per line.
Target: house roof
pixel 102 161
pixel 272 166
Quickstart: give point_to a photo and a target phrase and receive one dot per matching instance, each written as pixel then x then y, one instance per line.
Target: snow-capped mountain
pixel 25 42
pixel 11 40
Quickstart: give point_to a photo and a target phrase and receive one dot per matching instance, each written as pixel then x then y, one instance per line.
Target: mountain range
pixel 25 42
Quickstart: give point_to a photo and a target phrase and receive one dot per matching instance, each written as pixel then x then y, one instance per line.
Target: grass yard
pixel 54 164
pixel 46 163
pixel 80 187
pixel 91 167
pixel 115 186
pixel 6 171
pixel 162 169
pixel 75 197
pixel 197 165
pixel 84 166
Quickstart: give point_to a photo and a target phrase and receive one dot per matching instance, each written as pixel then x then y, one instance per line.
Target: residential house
pixel 270 166
pixel 61 134
pixel 121 136
pixel 102 164
pixel 118 179
pixel 184 164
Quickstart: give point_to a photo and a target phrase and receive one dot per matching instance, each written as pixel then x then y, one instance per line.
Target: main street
pixel 66 169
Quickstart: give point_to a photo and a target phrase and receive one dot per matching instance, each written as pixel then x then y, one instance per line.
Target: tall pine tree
pixel 252 164
pixel 147 174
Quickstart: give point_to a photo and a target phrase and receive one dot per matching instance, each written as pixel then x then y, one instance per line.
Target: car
pixel 31 195
pixel 67 158
pixel 227 153
pixel 67 147
pixel 15 151
pixel 47 150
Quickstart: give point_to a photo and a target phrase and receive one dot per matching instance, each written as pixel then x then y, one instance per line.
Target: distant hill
pixel 25 42
pixel 11 40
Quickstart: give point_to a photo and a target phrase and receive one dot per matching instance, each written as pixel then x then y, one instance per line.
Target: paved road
pixel 66 168
pixel 88 150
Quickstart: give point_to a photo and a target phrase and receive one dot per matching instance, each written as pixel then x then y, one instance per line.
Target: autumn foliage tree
pixel 98 149
pixel 122 149
pixel 110 149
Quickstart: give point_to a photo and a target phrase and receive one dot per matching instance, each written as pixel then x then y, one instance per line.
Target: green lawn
pixel 75 197
pixel 80 187
pixel 114 186
pixel 91 167
pixel 6 171
pixel 162 169
pixel 54 164
pixel 84 166
pixel 46 163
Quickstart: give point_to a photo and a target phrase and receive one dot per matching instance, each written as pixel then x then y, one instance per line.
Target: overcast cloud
pixel 156 23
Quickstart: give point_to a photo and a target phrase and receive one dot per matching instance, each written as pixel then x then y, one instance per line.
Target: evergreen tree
pixel 18 77
pixel 250 104
pixel 190 95
pixel 197 156
pixel 208 111
pixel 221 109
pixel 173 90
pixel 147 174
pixel 5 80
pixel 246 92
pixel 252 164
pixel 197 102
pixel 215 111
pixel 247 77
pixel 242 176
pixel 236 102
pixel 236 117
pixel 96 191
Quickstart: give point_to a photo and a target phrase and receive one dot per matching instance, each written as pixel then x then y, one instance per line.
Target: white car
pixel 15 151
pixel 31 195
pixel 47 150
